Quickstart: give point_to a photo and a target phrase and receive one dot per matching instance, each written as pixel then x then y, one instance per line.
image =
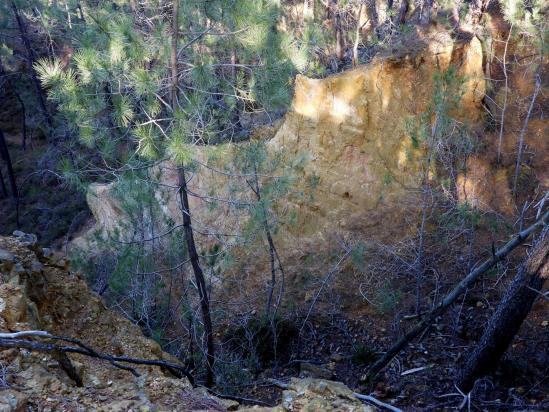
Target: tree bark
pixel 173 55
pixel 338 30
pixel 185 209
pixel 373 15
pixel 5 154
pixel 402 10
pixel 508 318
pixel 425 13
pixel 23 121
pixel 3 188
pixel 199 277
pixel 359 24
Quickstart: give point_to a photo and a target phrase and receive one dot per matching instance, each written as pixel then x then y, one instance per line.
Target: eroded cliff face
pixel 353 128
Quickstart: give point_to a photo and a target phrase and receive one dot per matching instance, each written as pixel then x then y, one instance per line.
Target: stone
pixel 312 395
pixel 12 401
pixel 6 256
pixel 336 357
pixel 315 371
pixel 36 267
pixel 26 239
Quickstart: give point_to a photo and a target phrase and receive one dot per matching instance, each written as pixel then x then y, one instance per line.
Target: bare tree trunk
pixel 3 188
pixel 402 10
pixel 5 155
pixel 373 15
pixel 31 60
pixel 173 54
pixel 509 316
pixel 23 121
pixel 185 209
pixel 359 25
pixel 339 35
pixel 273 253
pixel 199 277
pixel 308 10
pixel 425 13
pixel 523 132
pixel 506 91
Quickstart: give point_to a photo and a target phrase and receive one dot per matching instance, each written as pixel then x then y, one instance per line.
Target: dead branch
pixel 523 132
pixel 376 402
pixel 506 90
pixel 12 340
pixel 461 287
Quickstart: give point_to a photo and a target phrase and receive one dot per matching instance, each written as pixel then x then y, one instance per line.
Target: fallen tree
pixel 458 290
pixel 509 316
pixel 20 340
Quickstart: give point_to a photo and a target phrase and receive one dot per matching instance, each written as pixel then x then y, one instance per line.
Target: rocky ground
pixel 38 291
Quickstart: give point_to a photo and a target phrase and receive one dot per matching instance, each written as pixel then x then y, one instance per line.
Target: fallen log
pixel 508 317
pixel 458 290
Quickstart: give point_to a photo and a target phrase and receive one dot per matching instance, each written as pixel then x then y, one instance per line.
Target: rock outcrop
pixel 312 395
pixel 39 292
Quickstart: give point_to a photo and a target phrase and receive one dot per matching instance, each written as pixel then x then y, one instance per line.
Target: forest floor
pixel 423 376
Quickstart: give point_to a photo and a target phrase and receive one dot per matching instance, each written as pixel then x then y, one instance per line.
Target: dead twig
pixel 13 340
pixel 376 402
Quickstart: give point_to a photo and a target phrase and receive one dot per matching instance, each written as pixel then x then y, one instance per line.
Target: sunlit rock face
pixel 353 128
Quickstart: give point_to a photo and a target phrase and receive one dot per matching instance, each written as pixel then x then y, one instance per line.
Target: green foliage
pixel 386 298
pixel 363 355
pixel 270 178
pixel 119 71
pixel 358 256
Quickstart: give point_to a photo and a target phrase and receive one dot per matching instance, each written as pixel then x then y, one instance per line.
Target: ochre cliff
pixel 353 128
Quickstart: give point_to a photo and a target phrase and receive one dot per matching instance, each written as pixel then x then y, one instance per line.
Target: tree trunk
pixel 199 277
pixel 3 188
pixel 373 16
pixel 5 154
pixel 402 10
pixel 338 30
pixel 359 24
pixel 308 10
pixel 186 211
pixel 31 60
pixel 509 316
pixel 173 55
pixel 23 121
pixel 425 13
